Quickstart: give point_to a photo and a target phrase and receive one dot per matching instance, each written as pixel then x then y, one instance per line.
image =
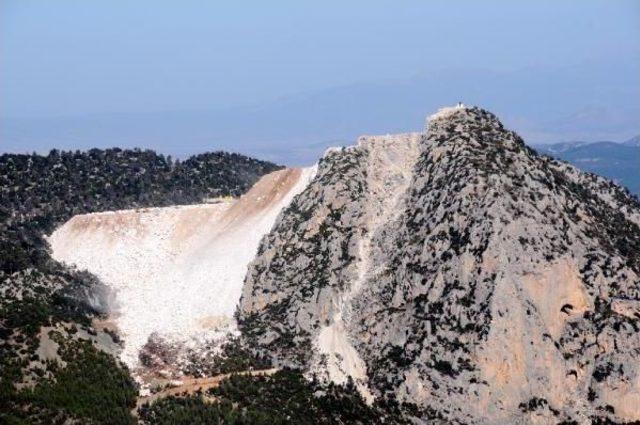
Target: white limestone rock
pixel 459 271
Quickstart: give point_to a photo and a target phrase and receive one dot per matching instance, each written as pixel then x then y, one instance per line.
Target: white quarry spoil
pixel 177 271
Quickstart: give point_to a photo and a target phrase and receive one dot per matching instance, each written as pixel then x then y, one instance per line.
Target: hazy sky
pixel 69 58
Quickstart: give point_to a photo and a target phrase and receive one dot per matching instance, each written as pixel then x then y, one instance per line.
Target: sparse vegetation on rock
pixel 498 278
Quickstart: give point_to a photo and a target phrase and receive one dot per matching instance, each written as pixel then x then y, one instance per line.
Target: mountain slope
pixel 634 141
pixel 40 192
pixel 619 162
pixel 56 352
pixel 463 274
pixel 176 272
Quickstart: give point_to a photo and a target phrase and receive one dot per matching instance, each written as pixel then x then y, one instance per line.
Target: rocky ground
pixel 460 272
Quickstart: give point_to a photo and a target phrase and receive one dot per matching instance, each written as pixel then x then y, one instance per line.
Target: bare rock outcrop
pixel 460 272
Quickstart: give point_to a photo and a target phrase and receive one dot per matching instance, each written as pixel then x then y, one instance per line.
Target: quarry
pixel 176 272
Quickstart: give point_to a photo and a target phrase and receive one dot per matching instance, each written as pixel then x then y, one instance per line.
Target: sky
pixel 66 62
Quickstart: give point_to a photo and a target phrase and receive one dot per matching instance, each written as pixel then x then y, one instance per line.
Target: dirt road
pixel 192 385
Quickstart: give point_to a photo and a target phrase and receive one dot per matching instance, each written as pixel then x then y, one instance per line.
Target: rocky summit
pixel 460 273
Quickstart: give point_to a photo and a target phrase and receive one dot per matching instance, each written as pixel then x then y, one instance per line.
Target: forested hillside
pixel 38 192
pixel 50 369
pixel 283 398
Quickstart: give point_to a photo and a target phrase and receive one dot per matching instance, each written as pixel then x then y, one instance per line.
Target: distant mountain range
pixel 594 102
pixel 617 161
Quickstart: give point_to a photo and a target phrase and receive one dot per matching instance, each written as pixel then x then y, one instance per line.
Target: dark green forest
pixel 38 192
pixel 283 398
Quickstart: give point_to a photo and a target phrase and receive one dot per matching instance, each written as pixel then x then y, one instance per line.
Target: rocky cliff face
pixel 458 271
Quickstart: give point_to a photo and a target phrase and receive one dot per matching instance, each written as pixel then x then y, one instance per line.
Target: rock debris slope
pixel 460 272
pixel 177 272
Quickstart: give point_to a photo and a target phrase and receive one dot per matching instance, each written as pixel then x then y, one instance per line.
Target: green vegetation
pixel 233 356
pixel 189 410
pixel 27 314
pixel 91 386
pixel 38 192
pixel 283 398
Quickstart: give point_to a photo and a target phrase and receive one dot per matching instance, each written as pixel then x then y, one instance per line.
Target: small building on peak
pixel 444 112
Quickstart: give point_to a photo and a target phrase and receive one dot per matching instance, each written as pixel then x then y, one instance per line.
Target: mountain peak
pixel 461 273
pixel 461 114
pixel 446 112
pixel 473 130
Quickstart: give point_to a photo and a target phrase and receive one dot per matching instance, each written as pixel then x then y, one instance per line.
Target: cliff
pixel 460 272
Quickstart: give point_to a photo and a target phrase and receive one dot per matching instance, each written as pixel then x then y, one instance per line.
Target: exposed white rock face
pixel 390 160
pixel 177 271
pixel 458 271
